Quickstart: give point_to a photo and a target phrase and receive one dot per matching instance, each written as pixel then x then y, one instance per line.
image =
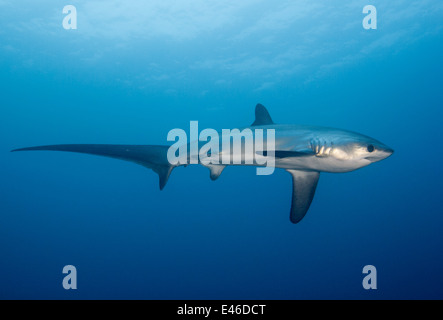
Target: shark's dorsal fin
pixel 303 190
pixel 262 116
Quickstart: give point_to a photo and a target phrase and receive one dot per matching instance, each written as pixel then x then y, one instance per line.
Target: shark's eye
pixel 370 148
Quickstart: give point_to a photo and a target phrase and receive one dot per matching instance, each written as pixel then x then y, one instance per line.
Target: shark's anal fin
pixel 304 184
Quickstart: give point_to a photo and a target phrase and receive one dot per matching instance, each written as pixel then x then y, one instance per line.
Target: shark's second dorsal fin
pixel 262 116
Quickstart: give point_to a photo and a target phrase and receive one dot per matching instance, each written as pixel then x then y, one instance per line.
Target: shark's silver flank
pixel 303 151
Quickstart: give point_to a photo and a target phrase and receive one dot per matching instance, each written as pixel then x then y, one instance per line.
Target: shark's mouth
pixel 382 156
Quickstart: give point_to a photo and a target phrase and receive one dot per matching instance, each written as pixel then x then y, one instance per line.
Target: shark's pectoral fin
pixel 303 190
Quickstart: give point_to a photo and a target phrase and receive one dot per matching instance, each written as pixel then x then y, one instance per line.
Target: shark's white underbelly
pixel 322 164
pixel 312 163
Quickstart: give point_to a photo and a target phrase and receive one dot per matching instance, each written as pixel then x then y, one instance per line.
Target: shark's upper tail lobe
pixel 150 156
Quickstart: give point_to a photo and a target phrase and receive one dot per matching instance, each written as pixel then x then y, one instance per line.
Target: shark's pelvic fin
pixel 215 170
pixel 262 116
pixel 149 156
pixel 303 190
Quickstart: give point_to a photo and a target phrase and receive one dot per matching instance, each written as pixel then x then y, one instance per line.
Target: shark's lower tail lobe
pixel 149 156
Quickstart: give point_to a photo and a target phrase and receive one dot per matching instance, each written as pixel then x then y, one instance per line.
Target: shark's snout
pixel 382 152
pixel 389 151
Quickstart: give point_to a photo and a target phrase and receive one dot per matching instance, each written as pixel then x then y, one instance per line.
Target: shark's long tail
pixel 149 156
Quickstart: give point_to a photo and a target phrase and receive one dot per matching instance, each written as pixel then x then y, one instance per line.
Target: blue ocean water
pixel 134 70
